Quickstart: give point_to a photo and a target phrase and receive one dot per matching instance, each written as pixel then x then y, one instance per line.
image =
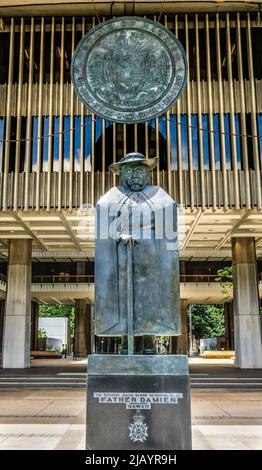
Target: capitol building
pixel 55 154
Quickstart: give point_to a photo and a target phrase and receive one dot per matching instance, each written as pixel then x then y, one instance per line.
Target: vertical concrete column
pixel 248 345
pixel 2 313
pixel 93 338
pixel 229 325
pixel 89 330
pixel 34 326
pixel 17 323
pixel 80 347
pixel 182 340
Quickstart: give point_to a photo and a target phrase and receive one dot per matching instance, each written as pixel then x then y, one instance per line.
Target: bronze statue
pixel 136 255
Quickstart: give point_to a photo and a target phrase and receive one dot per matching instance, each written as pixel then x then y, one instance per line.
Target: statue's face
pixel 135 176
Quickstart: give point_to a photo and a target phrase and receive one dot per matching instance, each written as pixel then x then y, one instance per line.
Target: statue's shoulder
pixel 112 196
pixel 160 194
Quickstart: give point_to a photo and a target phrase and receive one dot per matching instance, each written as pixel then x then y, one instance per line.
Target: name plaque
pixel 138 401
pixel 138 428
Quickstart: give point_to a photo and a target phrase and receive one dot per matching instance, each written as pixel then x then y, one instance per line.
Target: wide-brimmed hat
pixel 133 157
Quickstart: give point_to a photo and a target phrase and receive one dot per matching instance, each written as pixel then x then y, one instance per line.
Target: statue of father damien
pixel 140 217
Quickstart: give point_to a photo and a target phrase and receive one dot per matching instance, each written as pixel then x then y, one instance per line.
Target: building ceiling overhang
pixel 69 235
pixel 119 7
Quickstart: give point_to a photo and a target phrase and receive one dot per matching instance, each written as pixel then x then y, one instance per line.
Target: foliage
pixel 59 311
pixel 42 333
pixel 208 321
pixel 50 347
pixel 225 276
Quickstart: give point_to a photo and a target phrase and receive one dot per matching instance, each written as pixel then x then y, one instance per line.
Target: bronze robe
pixel 156 306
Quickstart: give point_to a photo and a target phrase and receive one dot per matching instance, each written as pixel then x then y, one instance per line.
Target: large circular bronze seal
pixel 129 69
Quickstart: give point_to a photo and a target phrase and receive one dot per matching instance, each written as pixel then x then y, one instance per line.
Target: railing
pixel 63 279
pixel 89 278
pixel 202 278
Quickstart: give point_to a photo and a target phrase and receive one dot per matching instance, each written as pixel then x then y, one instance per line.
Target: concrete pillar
pixel 89 330
pixel 93 337
pixel 229 325
pixel 182 340
pixel 2 314
pixel 80 336
pixel 17 323
pixel 180 344
pixel 80 270
pixel 34 326
pixel 80 346
pixel 248 345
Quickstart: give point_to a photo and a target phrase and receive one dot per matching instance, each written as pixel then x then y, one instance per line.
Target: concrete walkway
pixel 55 419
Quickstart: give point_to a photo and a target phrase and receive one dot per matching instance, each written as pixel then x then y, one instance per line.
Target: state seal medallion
pixel 129 69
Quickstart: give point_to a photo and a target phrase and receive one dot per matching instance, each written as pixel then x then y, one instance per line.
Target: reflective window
pixel 184 141
pixel 45 130
pixel 161 140
pixel 249 132
pixel 104 144
pixel 173 141
pixel 77 142
pixel 216 141
pixel 194 133
pixel 238 142
pixel 227 142
pixel 130 135
pixel 34 143
pixel 98 145
pixel 259 118
pixel 56 144
pixel 88 142
pixel 66 143
pixel 206 137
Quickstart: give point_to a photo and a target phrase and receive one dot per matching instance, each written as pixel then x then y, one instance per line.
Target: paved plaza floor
pixel 53 419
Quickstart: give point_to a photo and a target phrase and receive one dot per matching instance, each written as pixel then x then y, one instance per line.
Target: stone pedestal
pixel 248 345
pixel 138 403
pixel 16 341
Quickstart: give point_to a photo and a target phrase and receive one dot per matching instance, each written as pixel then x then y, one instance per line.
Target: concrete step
pixel 78 380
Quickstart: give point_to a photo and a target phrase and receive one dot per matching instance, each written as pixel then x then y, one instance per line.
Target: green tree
pixel 208 321
pixel 59 311
pixel 225 276
pixel 42 333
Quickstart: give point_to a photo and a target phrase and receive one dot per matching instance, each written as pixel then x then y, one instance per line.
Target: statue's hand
pixel 128 239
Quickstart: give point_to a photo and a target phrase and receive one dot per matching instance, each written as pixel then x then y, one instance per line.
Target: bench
pixel 45 355
pixel 218 355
